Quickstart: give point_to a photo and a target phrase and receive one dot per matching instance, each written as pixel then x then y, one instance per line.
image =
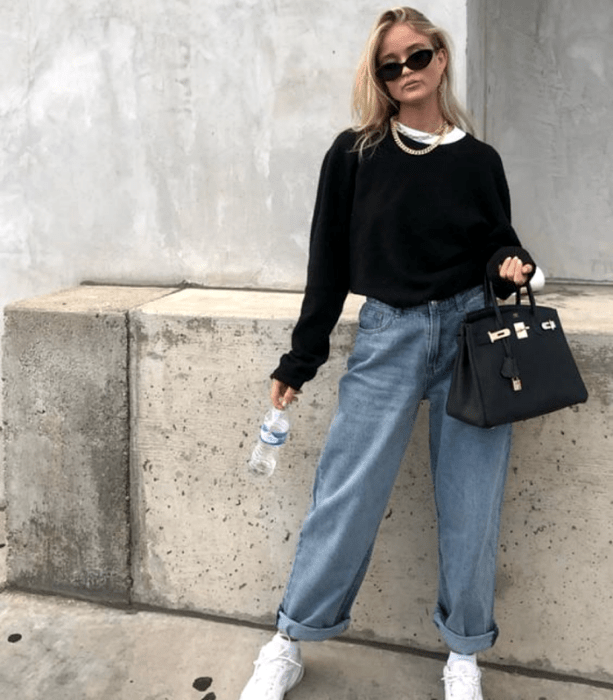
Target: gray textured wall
pixel 169 140
pixel 162 140
pixel 549 67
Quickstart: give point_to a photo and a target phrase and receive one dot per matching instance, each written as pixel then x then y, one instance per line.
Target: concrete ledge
pixel 208 538
pixel 583 309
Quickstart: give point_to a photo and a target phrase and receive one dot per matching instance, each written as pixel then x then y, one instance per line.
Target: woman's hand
pixel 282 394
pixel 513 270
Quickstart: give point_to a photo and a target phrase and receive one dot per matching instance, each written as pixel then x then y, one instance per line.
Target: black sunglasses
pixel 416 61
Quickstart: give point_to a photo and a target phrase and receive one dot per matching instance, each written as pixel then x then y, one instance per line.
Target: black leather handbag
pixel 513 363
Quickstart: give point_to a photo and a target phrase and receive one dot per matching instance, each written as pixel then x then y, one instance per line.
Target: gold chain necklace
pixel 419 151
pixel 441 127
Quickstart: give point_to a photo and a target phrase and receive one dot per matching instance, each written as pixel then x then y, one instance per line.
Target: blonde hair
pixel 372 104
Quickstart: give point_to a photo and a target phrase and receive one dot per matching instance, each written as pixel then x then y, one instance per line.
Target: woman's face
pixel 412 87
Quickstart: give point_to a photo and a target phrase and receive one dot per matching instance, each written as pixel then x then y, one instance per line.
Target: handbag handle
pixel 509 367
pixel 490 298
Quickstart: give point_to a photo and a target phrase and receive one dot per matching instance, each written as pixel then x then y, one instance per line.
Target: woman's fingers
pixel 525 274
pixel 505 268
pixel 277 391
pixel 282 395
pixel 513 270
pixel 289 397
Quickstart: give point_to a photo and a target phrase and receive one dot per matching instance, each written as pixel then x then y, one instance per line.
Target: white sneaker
pixel 462 681
pixel 278 669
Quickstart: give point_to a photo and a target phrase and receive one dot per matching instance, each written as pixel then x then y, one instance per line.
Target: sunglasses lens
pixel 420 59
pixel 389 71
pixel 416 61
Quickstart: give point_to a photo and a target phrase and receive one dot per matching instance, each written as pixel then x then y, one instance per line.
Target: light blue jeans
pixel 401 356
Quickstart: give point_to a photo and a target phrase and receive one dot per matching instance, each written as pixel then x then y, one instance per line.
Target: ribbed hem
pixel 308 634
pixel 290 380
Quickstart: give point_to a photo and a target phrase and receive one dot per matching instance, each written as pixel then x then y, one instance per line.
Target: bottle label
pixel 272 438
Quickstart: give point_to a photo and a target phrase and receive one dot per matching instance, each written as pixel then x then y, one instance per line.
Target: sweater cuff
pixel 503 288
pixel 288 377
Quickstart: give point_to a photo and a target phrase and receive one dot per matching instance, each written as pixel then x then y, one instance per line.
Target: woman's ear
pixel 441 57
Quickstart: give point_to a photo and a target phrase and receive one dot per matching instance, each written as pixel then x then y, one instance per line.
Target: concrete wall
pixel 207 537
pixel 549 87
pixel 162 140
pixel 158 141
pixel 476 62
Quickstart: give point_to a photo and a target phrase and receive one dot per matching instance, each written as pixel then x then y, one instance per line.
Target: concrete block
pixel 3 548
pixel 210 538
pixel 207 537
pixel 67 441
pixel 556 558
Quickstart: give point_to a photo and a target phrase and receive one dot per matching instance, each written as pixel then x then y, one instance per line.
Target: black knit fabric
pixel 403 229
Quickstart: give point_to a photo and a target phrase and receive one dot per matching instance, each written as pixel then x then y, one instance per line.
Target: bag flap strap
pixel 509 368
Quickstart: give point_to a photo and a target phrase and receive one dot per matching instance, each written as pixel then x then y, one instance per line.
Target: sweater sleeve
pixel 503 241
pixel 328 269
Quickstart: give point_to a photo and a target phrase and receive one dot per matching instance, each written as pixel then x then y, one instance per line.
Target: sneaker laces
pixel 465 680
pixel 267 676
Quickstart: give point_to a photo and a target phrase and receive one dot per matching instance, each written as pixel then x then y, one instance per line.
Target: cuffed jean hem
pixel 308 634
pixel 465 645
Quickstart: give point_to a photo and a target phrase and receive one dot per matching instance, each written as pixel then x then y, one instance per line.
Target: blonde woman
pixel 411 212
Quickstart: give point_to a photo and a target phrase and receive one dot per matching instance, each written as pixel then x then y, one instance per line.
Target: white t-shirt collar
pixel 423 137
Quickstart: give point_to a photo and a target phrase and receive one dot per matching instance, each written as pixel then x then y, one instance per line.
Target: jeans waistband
pixel 456 302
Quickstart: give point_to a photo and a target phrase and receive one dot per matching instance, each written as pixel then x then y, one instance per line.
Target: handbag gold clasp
pixel 548 325
pixel 521 330
pixel 499 335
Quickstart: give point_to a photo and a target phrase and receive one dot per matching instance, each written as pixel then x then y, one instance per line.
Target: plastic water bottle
pixel 273 435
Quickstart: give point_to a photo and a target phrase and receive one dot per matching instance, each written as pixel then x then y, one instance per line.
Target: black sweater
pixel 400 228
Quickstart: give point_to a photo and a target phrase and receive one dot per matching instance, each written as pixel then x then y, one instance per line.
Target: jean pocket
pixel 375 317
